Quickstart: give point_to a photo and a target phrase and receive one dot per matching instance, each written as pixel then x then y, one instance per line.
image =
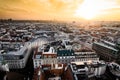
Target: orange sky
pixel 60 9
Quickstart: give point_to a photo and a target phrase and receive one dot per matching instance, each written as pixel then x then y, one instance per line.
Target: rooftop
pixel 104 45
pixel 65 52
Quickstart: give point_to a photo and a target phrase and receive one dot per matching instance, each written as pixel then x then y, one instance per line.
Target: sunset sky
pixel 60 9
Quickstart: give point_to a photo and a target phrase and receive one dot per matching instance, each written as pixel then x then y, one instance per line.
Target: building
pixel 65 56
pixel 58 52
pixel 107 51
pixel 87 70
pixel 61 52
pixel 16 59
pixel 86 56
pixel 44 55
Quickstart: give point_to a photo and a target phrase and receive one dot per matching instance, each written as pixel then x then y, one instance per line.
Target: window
pixel 49 56
pixel 35 63
pixel 45 56
pixel 60 57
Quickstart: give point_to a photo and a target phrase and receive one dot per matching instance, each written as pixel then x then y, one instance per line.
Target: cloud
pixel 40 6
pixel 55 8
pixel 13 9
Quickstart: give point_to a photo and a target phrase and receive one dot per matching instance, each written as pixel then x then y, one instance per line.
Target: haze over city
pixel 103 10
pixel 60 39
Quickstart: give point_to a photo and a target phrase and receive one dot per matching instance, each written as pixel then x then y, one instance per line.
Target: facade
pixel 16 60
pixel 49 56
pixel 107 51
pixel 86 56
pixel 45 56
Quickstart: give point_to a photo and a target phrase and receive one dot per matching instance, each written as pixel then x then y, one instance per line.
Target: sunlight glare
pixel 89 9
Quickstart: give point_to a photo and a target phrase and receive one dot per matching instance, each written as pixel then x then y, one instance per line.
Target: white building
pixel 18 59
pixel 44 56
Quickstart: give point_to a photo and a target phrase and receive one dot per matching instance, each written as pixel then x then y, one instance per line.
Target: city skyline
pixel 103 10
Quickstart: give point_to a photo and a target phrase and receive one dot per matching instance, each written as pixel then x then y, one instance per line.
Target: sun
pixel 88 10
pixel 86 13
